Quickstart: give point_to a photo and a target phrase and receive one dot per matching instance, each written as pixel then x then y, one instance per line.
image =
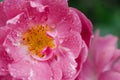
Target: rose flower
pixel 103 62
pixel 42 40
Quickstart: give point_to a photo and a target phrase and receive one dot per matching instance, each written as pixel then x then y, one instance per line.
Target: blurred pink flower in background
pixel 42 40
pixel 103 61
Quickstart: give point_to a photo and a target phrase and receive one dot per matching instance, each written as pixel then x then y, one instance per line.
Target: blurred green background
pixel 104 14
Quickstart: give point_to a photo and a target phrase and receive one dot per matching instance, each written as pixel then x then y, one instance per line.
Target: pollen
pixel 37 40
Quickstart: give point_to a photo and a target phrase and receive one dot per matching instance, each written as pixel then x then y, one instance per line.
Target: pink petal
pixel 68 67
pixel 7 77
pixel 116 65
pixel 81 59
pixel 110 75
pixel 37 13
pixel 17 53
pixel 115 56
pixel 3 17
pixel 13 7
pixel 103 49
pixel 3 33
pixel 57 9
pixel 28 10
pixel 42 71
pixel 73 42
pixel 56 70
pixel 26 70
pixel 87 72
pixel 19 23
pixel 86 27
pixel 14 48
pixel 70 23
pixel 20 70
pixel 4 61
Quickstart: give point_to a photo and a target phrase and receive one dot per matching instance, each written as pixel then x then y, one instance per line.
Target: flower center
pixel 37 40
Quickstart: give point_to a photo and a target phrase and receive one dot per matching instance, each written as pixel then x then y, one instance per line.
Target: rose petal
pixel 87 72
pixel 103 49
pixel 20 70
pixel 3 17
pixel 7 77
pixel 116 65
pixel 81 60
pixel 26 70
pixel 14 48
pixel 56 70
pixel 86 26
pixel 57 9
pixel 73 42
pixel 110 75
pixel 70 23
pixel 4 61
pixel 13 10
pixel 41 70
pixel 68 67
pixel 37 13
pixel 3 33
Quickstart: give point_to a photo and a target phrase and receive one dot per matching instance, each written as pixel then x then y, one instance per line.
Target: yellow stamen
pixel 36 39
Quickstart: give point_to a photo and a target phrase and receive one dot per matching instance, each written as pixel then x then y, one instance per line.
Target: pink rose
pixel 103 61
pixel 42 40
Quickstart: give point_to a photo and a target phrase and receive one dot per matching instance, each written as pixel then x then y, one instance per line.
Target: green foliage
pixel 0 0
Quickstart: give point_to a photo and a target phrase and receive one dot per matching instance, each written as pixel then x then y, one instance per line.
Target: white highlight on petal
pixel 8 50
pixel 73 65
pixel 17 44
pixel 65 48
pixel 14 20
pixel 31 74
pixel 39 7
pixel 52 33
